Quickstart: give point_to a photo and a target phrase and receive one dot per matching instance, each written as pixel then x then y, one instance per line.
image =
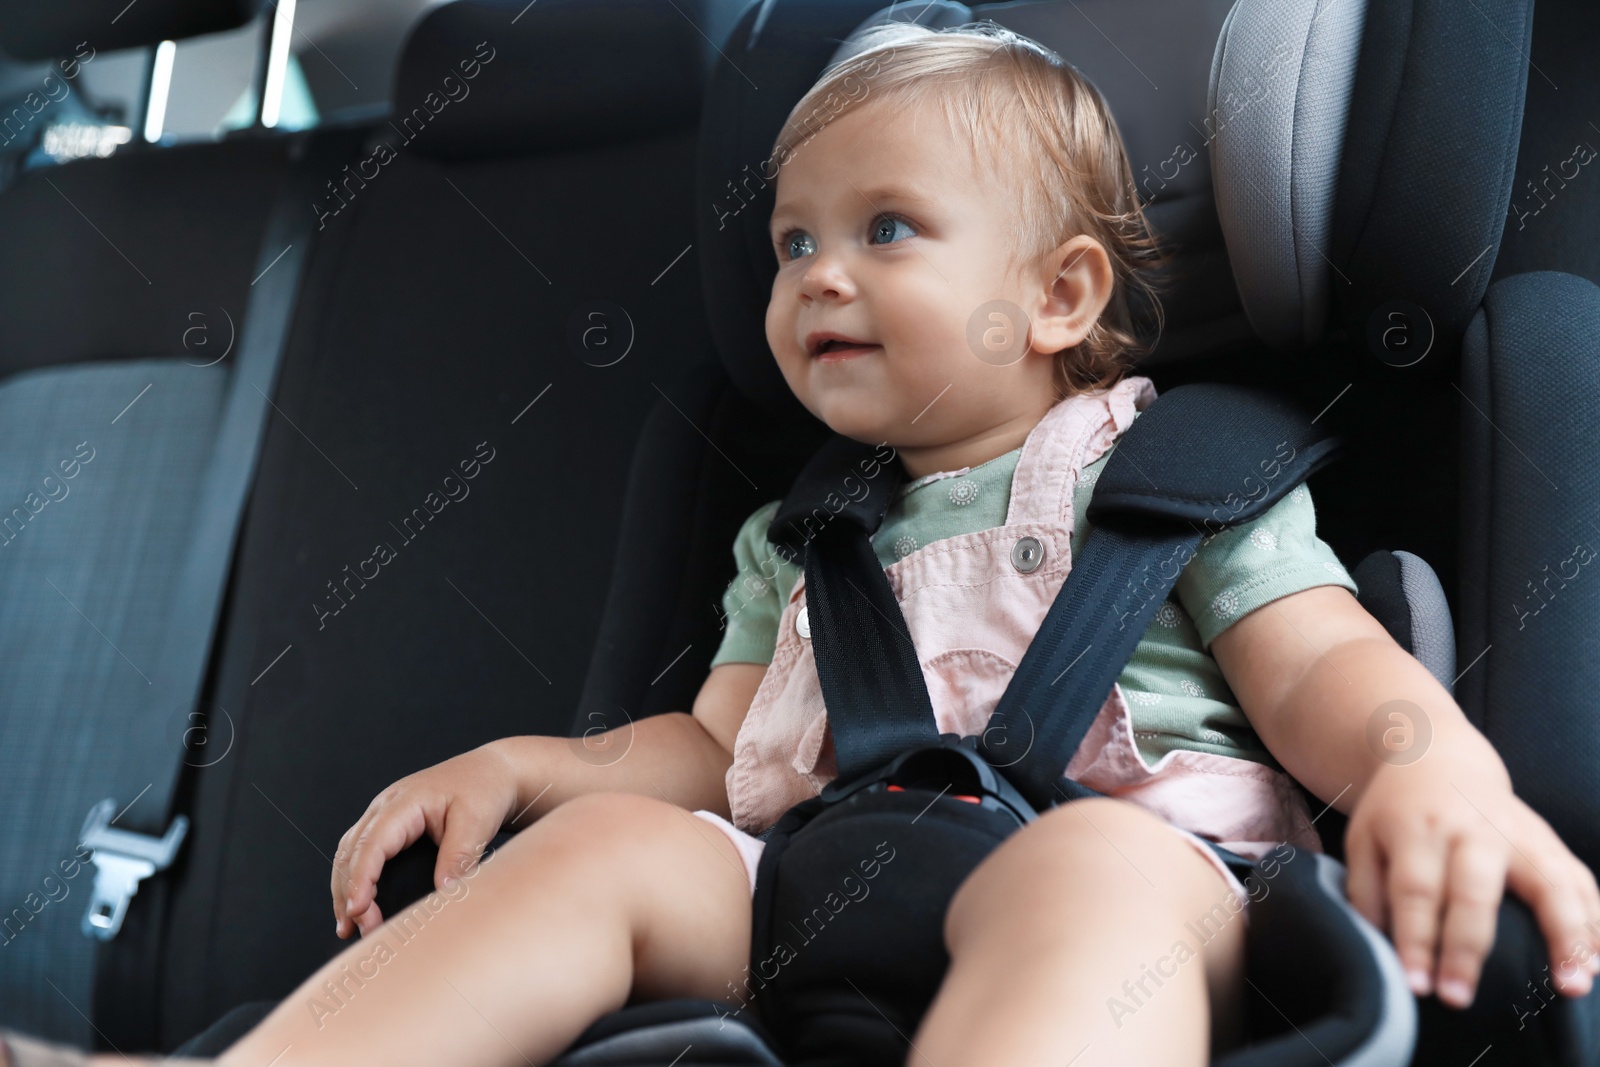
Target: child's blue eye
pixel 886 226
pixel 798 244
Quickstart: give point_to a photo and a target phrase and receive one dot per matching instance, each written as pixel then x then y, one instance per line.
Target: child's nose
pixel 825 276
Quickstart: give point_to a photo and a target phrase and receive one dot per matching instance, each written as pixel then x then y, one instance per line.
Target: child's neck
pixel 922 460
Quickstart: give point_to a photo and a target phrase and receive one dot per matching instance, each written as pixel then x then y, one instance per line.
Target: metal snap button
pixel 802 623
pixel 1027 554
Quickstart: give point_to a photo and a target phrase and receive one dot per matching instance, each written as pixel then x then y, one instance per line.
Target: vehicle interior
pixel 272 287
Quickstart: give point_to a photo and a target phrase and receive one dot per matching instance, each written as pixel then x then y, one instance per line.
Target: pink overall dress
pixel 972 612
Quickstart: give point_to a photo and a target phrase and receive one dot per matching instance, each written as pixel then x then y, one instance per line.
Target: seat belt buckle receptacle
pixel 122 859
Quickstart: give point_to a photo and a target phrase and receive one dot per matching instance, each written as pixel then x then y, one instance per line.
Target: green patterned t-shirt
pixel 1176 693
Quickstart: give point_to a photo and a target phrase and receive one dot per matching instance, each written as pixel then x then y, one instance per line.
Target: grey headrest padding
pixel 1433 635
pixel 1281 80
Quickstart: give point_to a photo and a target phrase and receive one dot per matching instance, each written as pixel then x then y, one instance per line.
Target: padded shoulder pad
pixel 1210 453
pixel 844 480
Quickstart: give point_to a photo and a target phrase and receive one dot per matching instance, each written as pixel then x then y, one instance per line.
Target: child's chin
pixel 869 426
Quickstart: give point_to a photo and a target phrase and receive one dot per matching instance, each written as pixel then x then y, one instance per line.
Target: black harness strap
pixel 890 752
pixel 872 683
pixel 1240 450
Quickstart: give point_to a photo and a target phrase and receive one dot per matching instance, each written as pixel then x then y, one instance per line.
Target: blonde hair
pixel 1043 125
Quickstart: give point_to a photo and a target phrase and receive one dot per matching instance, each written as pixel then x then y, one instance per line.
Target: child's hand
pixel 460 803
pixel 1431 848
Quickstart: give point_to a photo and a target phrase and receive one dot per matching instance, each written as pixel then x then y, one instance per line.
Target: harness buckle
pixel 953 762
pixel 122 859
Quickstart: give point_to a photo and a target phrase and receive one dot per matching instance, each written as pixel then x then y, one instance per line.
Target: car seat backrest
pixel 127 279
pixel 144 254
pixel 1554 212
pixel 501 291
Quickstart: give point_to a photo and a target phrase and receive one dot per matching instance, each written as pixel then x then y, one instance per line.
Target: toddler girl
pixel 956 233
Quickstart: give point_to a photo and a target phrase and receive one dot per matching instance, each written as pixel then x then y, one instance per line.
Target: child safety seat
pixel 934 805
pixel 940 803
pixel 1336 993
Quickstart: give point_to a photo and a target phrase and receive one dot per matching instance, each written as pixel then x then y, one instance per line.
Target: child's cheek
pixel 780 329
pixel 771 315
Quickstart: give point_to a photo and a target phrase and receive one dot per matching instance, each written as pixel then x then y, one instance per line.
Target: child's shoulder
pixel 1253 563
pixel 750 544
pixel 754 528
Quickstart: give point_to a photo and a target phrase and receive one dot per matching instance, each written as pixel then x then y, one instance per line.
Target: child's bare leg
pixel 610 897
pixel 1063 947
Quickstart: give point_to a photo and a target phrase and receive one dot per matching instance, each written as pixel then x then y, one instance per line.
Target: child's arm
pixel 511 782
pixel 1435 831
pixel 676 756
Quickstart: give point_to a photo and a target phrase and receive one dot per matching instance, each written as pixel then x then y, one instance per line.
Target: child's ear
pixel 1075 282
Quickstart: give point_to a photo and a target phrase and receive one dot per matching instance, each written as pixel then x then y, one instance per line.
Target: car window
pixel 81 104
pixel 337 66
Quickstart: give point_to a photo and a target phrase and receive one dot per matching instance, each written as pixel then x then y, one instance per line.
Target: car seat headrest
pixel 1360 163
pixel 30 30
pixel 1430 160
pixel 497 78
pixel 1276 109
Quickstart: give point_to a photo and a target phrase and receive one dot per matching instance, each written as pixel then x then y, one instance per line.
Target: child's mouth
pixel 835 351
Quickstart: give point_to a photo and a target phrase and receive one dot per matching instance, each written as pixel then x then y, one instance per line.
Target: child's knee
pixel 607 811
pixel 1099 834
pixel 599 828
pixel 1095 850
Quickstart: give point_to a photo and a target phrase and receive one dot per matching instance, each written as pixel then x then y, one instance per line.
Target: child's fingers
pixel 1592 925
pixel 383 838
pixel 1472 904
pixel 1416 892
pixel 1586 953
pixel 1363 883
pixel 1591 894
pixel 465 836
pixel 340 881
pixel 1558 889
pixel 369 919
pixel 1568 949
pixel 343 857
pixel 346 873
